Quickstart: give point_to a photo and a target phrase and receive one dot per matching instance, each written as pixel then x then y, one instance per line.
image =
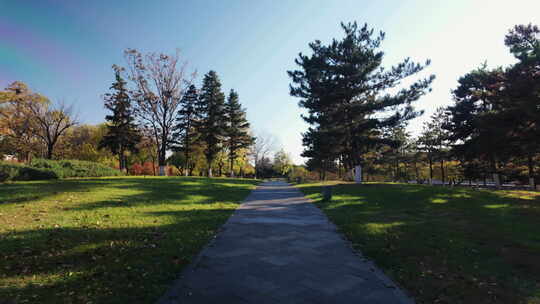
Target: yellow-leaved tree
pixel 17 122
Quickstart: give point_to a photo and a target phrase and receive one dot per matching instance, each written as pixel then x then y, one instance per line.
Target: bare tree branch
pixel 160 82
pixel 51 122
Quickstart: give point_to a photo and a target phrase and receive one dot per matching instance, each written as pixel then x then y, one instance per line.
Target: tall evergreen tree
pixel 475 123
pixel 186 125
pixel 496 118
pixel 122 132
pixel 522 90
pixel 237 131
pixel 213 123
pixel 321 148
pixel 345 91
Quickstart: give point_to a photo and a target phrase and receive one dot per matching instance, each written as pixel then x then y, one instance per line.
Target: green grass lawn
pixel 106 240
pixel 444 245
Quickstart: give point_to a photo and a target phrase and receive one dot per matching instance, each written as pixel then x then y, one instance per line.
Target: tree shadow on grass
pixel 167 187
pixel 444 245
pixel 21 192
pixel 111 264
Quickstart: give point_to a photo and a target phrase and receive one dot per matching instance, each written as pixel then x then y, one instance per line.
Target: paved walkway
pixel 279 248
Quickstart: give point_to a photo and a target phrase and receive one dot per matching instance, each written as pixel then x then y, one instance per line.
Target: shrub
pixel 149 168
pixel 173 171
pixel 17 172
pixel 136 169
pixel 75 168
pixel 298 175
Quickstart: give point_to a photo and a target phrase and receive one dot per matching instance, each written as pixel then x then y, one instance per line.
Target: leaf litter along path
pixel 280 248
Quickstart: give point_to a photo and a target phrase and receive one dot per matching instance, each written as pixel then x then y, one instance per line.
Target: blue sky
pixel 65 49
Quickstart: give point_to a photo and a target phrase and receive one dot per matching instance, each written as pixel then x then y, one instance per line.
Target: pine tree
pixel 186 126
pixel 344 89
pixel 213 123
pixel 320 148
pixel 237 131
pixel 122 132
pixel 495 119
pixel 522 91
pixel 475 120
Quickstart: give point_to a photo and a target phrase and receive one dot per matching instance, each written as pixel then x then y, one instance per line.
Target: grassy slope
pixel 108 240
pixel 444 245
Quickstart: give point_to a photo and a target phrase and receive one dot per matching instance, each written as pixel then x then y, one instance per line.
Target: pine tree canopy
pixel 495 115
pixel 122 132
pixel 212 126
pixel 238 127
pixel 347 92
pixel 186 120
pixel 185 131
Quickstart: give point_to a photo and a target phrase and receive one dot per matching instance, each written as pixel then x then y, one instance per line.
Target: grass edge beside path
pixel 443 245
pixel 107 240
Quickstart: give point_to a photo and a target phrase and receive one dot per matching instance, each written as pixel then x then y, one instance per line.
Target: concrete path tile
pixel 279 248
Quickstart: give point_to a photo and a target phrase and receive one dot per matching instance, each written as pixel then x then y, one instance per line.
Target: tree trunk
pixel 416 172
pixel 50 149
pixel 496 176
pixel 232 167
pixel 396 175
pixel 153 164
pixel 121 159
pixel 188 169
pixel 531 172
pixel 209 171
pixel 27 157
pixel 186 146
pixel 162 161
pixel 442 171
pixel 430 171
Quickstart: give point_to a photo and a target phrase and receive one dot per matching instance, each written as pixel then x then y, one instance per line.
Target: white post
pixel 531 183
pixel 358 174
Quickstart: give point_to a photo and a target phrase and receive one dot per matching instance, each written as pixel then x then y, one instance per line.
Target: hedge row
pixel 51 169
pixel 16 172
pixel 75 168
